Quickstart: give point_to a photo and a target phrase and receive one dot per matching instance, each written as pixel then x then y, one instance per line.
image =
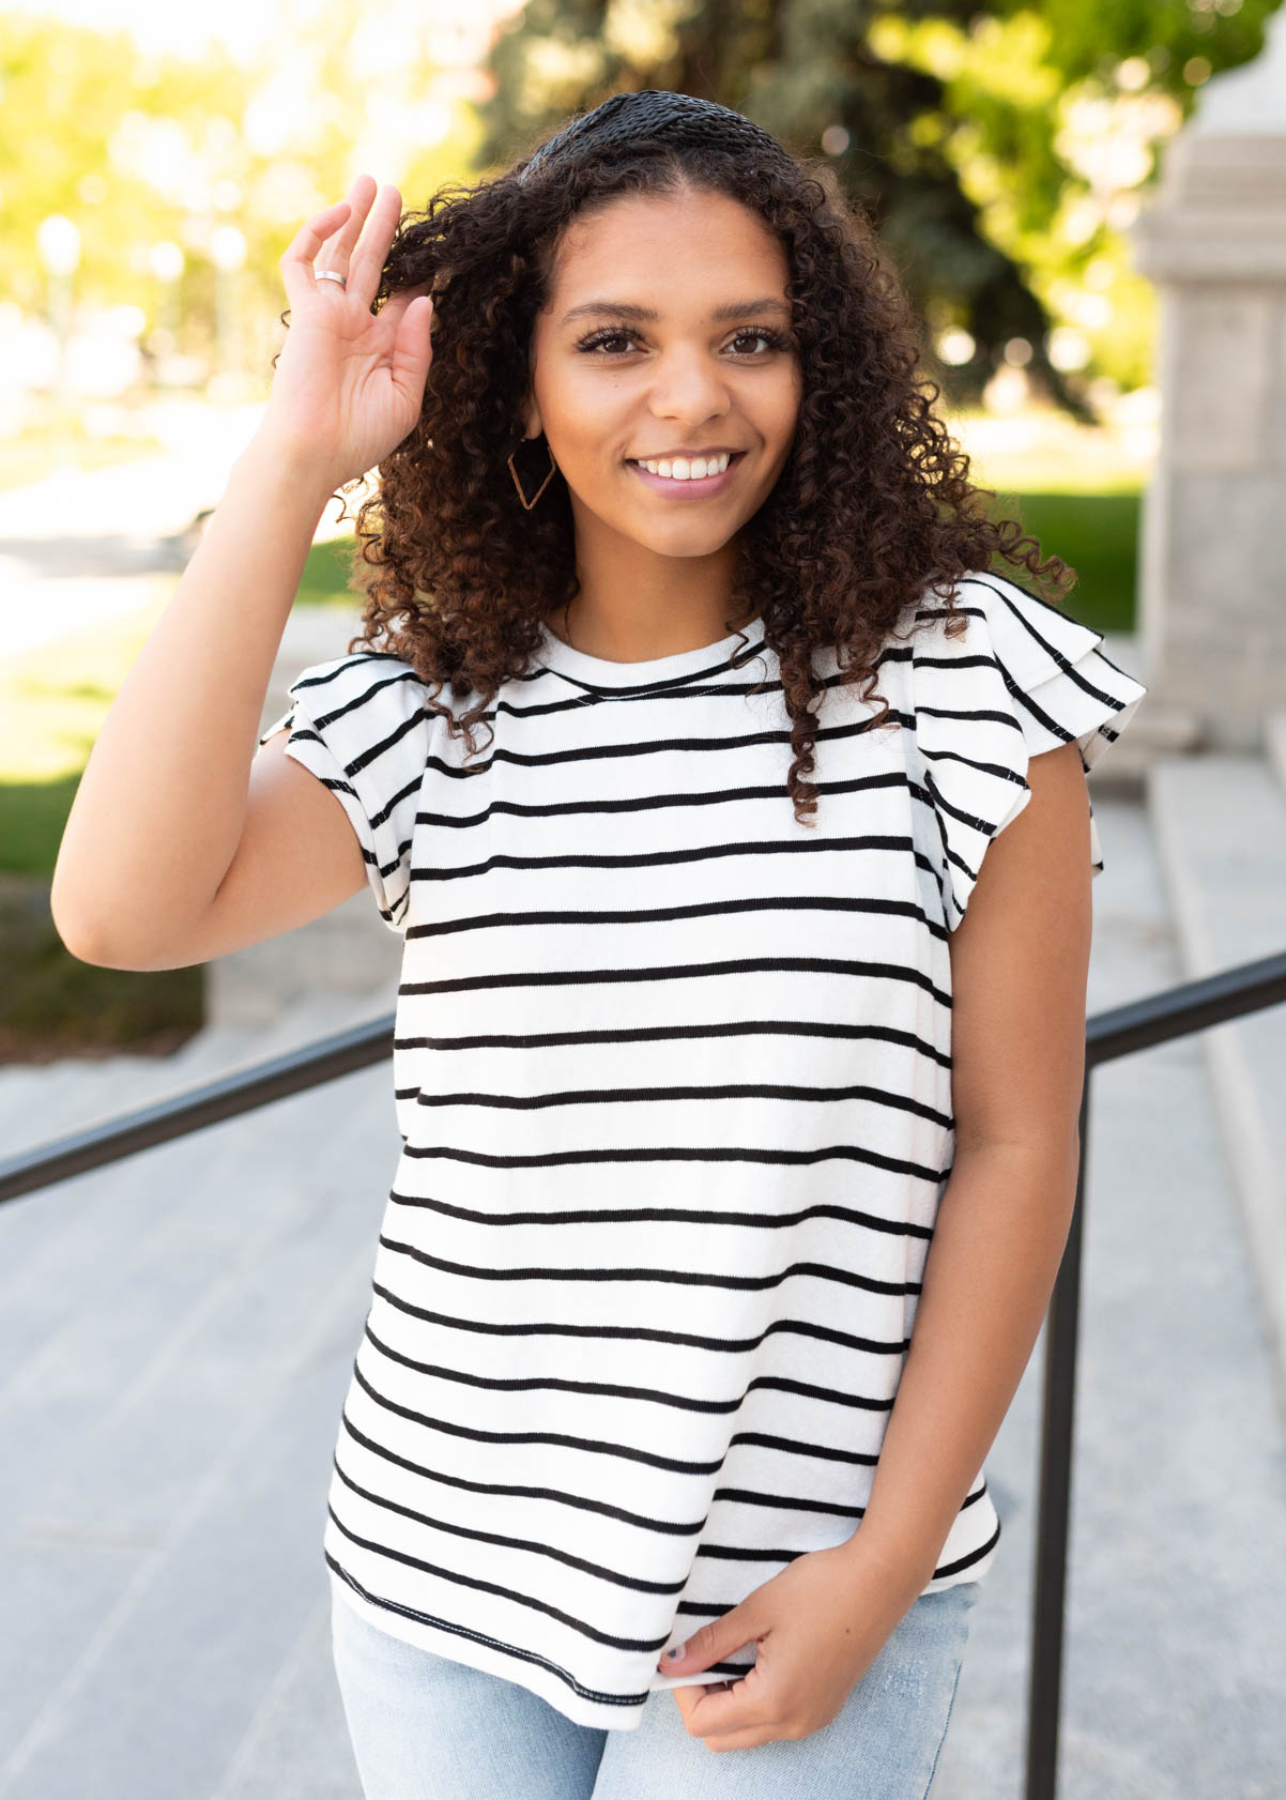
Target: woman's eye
pixel 606 338
pixel 770 338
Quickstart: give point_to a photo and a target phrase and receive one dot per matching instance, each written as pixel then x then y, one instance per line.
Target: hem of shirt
pixel 971 1569
pixel 508 1664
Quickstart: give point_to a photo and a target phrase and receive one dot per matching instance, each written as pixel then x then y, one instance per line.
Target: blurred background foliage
pixel 1002 149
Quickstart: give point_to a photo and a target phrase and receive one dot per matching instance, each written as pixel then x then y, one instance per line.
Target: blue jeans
pixel 426 1728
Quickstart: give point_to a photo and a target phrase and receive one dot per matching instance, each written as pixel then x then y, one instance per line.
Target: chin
pixel 686 544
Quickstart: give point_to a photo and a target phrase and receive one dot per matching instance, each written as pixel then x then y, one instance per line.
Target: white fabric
pixel 673 1073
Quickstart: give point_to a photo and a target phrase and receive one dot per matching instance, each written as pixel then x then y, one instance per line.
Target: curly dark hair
pixel 873 502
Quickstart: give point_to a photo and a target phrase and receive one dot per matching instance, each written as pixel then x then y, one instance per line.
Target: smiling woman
pixel 665 1433
pixel 672 421
pixel 674 1052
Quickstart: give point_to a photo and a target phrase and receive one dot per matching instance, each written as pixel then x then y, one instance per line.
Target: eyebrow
pixel 735 309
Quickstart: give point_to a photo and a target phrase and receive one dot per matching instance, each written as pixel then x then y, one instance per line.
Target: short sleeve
pixel 360 725
pixel 1021 678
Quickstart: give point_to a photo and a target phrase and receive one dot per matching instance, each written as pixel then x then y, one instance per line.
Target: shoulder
pixel 1019 678
pixel 356 679
pixel 1040 672
pixel 366 704
pixel 1000 617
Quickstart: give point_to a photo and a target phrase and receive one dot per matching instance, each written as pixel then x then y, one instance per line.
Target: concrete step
pixel 1160 729
pixel 39 1102
pixel 156 1685
pixel 42 1101
pixel 125 1420
pixel 54 1098
pixel 133 1405
pixel 297 1745
pixel 1220 827
pixel 155 1241
pixel 99 1333
pixel 1275 745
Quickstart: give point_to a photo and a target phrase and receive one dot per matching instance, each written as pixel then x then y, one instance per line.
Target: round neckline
pixel 602 672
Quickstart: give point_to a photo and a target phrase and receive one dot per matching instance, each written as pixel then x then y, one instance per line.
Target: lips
pixel 692 456
pixel 690 489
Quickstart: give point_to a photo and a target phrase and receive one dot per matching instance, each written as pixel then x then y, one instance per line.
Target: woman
pixel 722 995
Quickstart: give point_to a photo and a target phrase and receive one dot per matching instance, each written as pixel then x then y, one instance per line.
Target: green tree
pixel 1001 149
pixel 136 149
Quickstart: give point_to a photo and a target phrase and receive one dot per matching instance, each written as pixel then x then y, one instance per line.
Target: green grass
pixel 53 1005
pixel 325 578
pixel 53 701
pixel 1098 535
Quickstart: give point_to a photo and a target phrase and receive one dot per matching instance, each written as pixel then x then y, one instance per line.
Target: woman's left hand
pixel 818 1626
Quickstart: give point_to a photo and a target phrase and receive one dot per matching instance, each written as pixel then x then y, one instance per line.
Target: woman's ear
pixel 531 425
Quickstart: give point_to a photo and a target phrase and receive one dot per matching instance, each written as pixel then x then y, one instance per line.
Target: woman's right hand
pixel 349 383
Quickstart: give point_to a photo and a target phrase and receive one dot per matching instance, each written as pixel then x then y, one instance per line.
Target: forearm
pixel 159 811
pixel 998 1240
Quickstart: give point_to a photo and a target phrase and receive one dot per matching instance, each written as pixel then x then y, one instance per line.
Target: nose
pixel 688 387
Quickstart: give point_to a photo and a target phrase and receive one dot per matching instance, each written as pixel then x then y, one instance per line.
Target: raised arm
pixel 181 843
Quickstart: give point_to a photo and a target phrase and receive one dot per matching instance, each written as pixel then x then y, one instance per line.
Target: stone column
pixel 1213 550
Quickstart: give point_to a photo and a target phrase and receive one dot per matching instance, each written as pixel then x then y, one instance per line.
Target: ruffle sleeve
pixel 360 725
pixel 1022 678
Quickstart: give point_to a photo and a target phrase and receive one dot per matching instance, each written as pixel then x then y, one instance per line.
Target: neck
pixel 635 605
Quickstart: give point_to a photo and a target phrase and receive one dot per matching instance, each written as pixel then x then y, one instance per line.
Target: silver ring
pixel 332 275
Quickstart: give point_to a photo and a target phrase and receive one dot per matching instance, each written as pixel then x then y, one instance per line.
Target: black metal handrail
pixel 1157 1019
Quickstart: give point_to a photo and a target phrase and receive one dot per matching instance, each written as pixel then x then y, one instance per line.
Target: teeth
pixel 683 468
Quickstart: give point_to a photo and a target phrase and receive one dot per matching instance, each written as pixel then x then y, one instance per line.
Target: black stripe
pixel 685 1403
pixel 681 1277
pixel 974 1556
pixel 703 1216
pixel 651 802
pixel 651 746
pixel 578 1502
pixel 650 1334
pixel 698 1153
pixel 475 1434
pixel 634 860
pixel 528 1545
pixel 745 965
pixel 664 915
pixel 476 1582
pixel 749 1090
pixel 480 1637
pixel 820 1028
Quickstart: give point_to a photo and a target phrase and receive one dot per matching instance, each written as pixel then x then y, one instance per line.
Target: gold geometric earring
pixel 528 504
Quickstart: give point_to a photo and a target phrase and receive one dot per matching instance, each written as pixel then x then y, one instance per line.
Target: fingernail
pixel 673 1655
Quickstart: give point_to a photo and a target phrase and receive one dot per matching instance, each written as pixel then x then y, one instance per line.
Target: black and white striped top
pixel 673 1073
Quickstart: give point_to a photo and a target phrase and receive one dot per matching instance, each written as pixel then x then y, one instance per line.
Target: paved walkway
pixel 83 546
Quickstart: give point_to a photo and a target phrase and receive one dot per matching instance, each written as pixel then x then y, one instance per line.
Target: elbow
pixel 85 939
pixel 93 950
